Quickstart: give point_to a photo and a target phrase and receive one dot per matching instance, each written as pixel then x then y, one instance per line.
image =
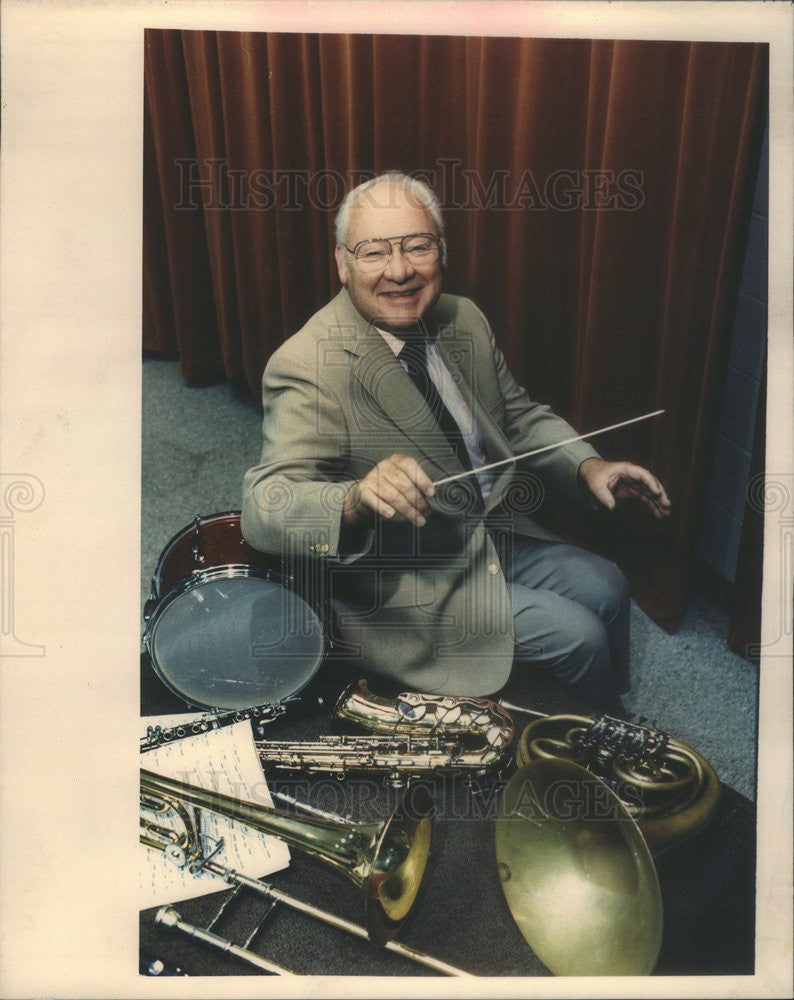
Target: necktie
pixel 414 353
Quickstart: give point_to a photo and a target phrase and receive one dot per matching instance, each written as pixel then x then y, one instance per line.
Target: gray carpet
pixel 197 444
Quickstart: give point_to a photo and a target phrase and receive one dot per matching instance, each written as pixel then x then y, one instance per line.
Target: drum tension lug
pixel 197 548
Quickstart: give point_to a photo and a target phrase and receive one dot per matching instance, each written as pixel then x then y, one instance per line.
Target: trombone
pixel 386 860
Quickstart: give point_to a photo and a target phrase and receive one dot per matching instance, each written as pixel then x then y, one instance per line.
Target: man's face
pixel 397 297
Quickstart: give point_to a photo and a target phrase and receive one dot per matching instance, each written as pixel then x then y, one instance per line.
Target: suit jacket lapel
pixel 379 372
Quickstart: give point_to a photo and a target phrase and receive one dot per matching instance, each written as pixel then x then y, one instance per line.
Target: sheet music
pixel 222 760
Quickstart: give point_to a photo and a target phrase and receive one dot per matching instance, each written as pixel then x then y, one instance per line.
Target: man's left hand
pixel 613 481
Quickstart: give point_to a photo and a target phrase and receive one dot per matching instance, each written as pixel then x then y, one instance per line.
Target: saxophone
pixel 411 712
pixel 412 735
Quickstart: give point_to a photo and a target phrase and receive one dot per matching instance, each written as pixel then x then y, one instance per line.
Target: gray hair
pixel 418 188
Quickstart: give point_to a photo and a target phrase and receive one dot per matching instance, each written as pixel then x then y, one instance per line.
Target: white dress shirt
pixel 457 406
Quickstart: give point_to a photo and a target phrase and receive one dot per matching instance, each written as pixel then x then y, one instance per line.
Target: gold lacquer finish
pixel 576 873
pixel 414 712
pixel 409 736
pixel 385 859
pixel 666 786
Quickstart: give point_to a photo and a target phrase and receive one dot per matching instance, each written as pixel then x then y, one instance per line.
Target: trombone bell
pixel 387 860
pixel 398 866
pixel 576 873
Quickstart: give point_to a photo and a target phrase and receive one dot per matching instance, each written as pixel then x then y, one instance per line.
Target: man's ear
pixel 340 264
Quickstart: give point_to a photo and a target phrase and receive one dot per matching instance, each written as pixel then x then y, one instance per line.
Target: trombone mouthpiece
pixel 167 916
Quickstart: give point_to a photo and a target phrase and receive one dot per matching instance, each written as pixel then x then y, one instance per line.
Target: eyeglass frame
pixel 439 240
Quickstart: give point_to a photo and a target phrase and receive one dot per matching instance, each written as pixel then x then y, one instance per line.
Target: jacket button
pixel 493 568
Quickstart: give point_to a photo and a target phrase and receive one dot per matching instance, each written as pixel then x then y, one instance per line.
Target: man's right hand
pixel 396 485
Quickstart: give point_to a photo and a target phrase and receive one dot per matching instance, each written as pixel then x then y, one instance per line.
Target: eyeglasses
pixel 374 255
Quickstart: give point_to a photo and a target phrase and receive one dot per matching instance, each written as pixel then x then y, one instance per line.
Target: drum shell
pixel 225 628
pixel 214 540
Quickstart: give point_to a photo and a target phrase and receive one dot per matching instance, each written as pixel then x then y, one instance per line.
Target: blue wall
pixel 719 544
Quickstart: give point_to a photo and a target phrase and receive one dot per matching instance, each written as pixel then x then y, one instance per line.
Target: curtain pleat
pixel 594 193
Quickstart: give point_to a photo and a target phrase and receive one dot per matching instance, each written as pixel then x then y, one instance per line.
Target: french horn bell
pixel 576 873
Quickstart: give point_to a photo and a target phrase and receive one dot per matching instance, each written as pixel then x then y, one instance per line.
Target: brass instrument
pixel 385 860
pixel 594 800
pixel 412 712
pixel 184 847
pixel 415 734
pixel 666 786
pixel 168 917
pixel 578 824
pixel 576 872
pixel 398 758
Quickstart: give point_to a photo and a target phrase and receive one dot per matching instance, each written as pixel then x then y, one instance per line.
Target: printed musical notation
pixel 223 760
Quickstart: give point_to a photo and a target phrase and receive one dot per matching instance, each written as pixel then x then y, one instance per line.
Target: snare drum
pixel 225 628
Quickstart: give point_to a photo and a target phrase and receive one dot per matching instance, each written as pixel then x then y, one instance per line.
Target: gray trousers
pixel 571 614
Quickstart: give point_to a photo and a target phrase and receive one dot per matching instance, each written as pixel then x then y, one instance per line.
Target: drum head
pixel 232 638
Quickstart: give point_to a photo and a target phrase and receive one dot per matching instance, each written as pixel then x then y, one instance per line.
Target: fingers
pixel 603 494
pixel 612 481
pixel 396 485
pixel 632 481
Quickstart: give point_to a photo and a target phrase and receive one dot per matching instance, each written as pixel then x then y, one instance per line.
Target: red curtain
pixel 595 195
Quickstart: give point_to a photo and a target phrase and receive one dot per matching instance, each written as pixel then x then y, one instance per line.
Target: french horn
pixel 576 872
pixel 593 802
pixel 666 786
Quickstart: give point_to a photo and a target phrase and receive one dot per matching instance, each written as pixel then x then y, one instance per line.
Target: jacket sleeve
pixel 292 500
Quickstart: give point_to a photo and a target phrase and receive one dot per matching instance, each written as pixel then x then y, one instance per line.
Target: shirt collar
pixel 395 344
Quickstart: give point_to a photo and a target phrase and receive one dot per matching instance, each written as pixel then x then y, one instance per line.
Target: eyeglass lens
pixel 419 248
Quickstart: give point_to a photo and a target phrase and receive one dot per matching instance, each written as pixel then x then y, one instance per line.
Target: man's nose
pixel 399 267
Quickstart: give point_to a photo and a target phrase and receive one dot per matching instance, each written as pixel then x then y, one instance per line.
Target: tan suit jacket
pixel 427 606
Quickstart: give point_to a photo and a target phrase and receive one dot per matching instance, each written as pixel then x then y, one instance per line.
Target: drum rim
pixel 221 571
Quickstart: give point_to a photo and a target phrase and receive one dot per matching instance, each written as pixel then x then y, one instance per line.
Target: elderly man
pixel 390 389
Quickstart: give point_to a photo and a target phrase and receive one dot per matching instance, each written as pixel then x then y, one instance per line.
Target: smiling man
pixel 390 388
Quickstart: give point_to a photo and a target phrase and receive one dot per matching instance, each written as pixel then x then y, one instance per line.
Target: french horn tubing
pixel 666 786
